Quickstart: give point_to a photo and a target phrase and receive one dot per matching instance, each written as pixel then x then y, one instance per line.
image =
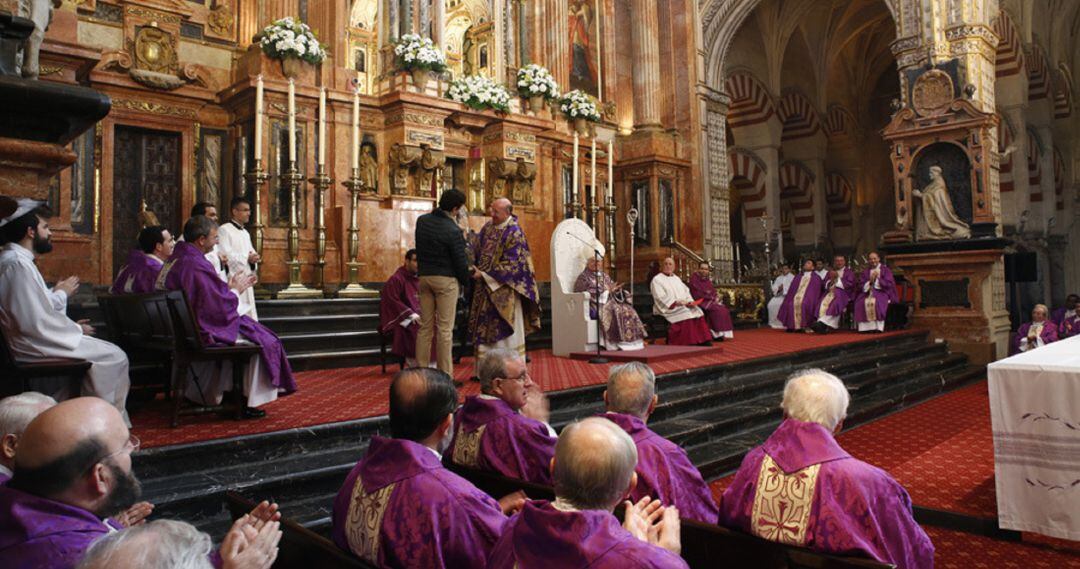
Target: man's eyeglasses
pixel 132 443
pixel 522 378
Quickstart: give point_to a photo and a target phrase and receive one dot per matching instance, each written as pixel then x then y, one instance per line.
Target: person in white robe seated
pixel 620 325
pixel 236 250
pixel 780 285
pixel 673 301
pixel 35 327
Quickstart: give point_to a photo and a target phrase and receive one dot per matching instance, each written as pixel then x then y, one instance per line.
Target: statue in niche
pixel 939 219
pixel 369 168
pixel 39 12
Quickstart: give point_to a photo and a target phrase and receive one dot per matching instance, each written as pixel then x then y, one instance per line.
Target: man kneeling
pixel 845 506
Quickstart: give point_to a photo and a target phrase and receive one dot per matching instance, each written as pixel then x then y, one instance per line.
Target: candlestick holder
pixel 609 213
pixel 256 178
pixel 292 179
pixel 354 289
pixel 321 182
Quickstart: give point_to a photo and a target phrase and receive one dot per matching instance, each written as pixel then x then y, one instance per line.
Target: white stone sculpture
pixel 40 12
pixel 939 218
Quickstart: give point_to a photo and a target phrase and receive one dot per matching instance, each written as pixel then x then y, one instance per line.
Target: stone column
pixel 645 30
pixel 438 25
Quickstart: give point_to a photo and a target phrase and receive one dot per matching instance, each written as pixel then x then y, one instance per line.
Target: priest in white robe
pixel 234 244
pixel 673 301
pixel 780 285
pixel 32 324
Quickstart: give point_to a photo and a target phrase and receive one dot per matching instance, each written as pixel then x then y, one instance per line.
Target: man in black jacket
pixel 444 269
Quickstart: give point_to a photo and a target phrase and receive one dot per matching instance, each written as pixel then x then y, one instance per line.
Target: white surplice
pixel 667 290
pixel 35 329
pixel 235 243
pixel 780 286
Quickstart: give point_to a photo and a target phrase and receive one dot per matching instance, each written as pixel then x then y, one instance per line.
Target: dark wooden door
pixel 146 168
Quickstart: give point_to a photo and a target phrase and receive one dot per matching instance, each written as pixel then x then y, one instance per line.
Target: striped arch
pixel 838 197
pixel 1006 136
pixel 1062 92
pixel 1010 52
pixel 1059 181
pixel 797 188
pixel 1034 164
pixel 798 115
pixel 1038 74
pixel 750 101
pixel 839 122
pixel 748 179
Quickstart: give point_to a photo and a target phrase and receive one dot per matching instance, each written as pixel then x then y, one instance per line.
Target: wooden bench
pixel 47 375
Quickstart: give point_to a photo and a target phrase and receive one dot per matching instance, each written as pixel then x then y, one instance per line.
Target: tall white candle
pixel 292 121
pixel 592 179
pixel 258 117
pixel 322 127
pixel 574 187
pixel 356 125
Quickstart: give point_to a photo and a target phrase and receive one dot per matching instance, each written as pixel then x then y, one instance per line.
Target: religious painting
pixel 483 56
pixel 210 171
pixel 666 196
pixel 82 184
pixel 360 61
pixel 584 74
pixel 639 193
pixel 280 198
pixel 955 170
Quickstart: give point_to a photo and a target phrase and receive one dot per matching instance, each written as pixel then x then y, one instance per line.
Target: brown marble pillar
pixel 644 31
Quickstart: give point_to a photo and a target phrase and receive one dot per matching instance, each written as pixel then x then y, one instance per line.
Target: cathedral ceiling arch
pixel 746 165
pixel 751 103
pixel 1010 51
pixel 1038 73
pixel 798 115
pixel 839 123
pixel 838 197
pixel 796 188
pixel 1063 96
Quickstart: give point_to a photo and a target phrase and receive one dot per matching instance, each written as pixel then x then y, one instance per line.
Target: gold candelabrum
pixel 321 182
pixel 354 289
pixel 292 179
pixel 256 178
pixel 609 213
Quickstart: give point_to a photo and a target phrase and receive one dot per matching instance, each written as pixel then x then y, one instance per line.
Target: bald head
pixel 594 464
pixel 420 400
pixel 501 210
pixel 59 430
pixel 631 389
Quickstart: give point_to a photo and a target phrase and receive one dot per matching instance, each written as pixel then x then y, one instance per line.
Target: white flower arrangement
pixel 479 92
pixel 290 38
pixel 579 105
pixel 414 52
pixel 535 80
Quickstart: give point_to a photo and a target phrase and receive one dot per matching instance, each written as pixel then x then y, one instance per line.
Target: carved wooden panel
pixel 146 168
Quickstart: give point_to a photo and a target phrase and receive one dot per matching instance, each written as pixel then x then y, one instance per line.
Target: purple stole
pixel 490 435
pixel 400 299
pixel 717 314
pixel 1049 333
pixel 666 473
pixel 38 532
pixel 836 299
pixel 504 255
pixel 801 488
pixel 399 507
pixel 875 299
pixel 540 536
pixel 800 307
pixel 138 275
pixel 215 305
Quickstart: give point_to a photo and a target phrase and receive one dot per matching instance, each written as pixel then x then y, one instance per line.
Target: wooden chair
pixel 130 327
pixel 40 374
pixel 299 547
pixel 384 339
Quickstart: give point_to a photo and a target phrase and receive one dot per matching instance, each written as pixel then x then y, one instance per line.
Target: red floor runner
pixel 329 396
pixel 958 550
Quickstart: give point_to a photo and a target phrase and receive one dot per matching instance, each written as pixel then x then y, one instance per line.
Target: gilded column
pixel 645 30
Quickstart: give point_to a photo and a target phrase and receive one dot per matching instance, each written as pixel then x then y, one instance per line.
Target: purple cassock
pixel 805 296
pixel 837 297
pixel 215 305
pixel 801 488
pixel 541 536
pixel 138 275
pixel 490 435
pixel 398 302
pixel 876 297
pixel 1047 333
pixel 718 315
pixel 502 253
pixel 666 473
pixel 399 507
pixel 37 532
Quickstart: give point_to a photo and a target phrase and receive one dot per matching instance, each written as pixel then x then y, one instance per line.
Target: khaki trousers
pixel 438 307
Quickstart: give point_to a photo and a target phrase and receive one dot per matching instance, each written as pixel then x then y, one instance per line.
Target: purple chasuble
pixel 1048 334
pixel 1070 326
pixel 882 296
pixel 807 301
pixel 801 488
pixel 541 536
pixel 215 305
pixel 619 321
pixel 717 314
pixel 138 275
pixel 841 297
pixel 666 473
pixel 398 301
pixel 490 435
pixel 37 532
pixel 399 507
pixel 504 255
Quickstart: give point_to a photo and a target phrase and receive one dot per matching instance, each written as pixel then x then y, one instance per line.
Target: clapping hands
pixel 252 542
pixel 649 521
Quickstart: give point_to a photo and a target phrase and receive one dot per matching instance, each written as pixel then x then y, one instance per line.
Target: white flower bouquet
pixel 287 38
pixel 536 81
pixel 479 92
pixel 579 105
pixel 413 52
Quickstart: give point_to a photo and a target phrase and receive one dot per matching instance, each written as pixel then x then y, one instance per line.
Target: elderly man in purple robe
pixel 593 470
pixel 716 314
pixel 1070 323
pixel 800 308
pixel 504 429
pixel 506 303
pixel 664 471
pixel 144 263
pixel 214 305
pixel 399 309
pixel 839 288
pixel 620 325
pixel 877 289
pixel 1035 334
pixel 1067 310
pixel 801 488
pixel 16 413
pixel 399 507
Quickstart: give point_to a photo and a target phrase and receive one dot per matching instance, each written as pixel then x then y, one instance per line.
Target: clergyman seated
pixel 144 262
pixel 673 301
pixel 620 325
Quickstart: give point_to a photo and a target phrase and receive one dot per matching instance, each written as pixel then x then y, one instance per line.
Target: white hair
pixel 630 389
pixel 17 411
pixel 161 544
pixel 594 462
pixel 816 396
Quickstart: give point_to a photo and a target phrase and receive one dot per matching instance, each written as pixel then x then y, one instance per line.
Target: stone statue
pixel 939 218
pixel 40 12
pixel 369 168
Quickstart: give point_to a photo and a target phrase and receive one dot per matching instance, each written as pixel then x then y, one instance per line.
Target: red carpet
pixel 958 550
pixel 652 353
pixel 329 396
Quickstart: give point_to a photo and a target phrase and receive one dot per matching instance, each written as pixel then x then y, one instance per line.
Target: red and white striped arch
pixel 797 189
pixel 839 122
pixel 799 117
pixel 750 101
pixel 1062 92
pixel 1038 74
pixel 838 197
pixel 748 179
pixel 1059 181
pixel 1006 136
pixel 1034 164
pixel 1010 53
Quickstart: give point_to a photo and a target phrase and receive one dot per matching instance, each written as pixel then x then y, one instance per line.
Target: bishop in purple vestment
pixel 399 507
pixel 716 314
pixel 399 309
pixel 801 488
pixel 877 289
pixel 1035 334
pixel 620 325
pixel 1070 322
pixel 494 430
pixel 840 285
pixel 593 472
pixel 140 273
pixel 800 308
pixel 1069 309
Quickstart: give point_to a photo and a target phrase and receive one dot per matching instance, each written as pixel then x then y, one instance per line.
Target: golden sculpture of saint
pixel 939 218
